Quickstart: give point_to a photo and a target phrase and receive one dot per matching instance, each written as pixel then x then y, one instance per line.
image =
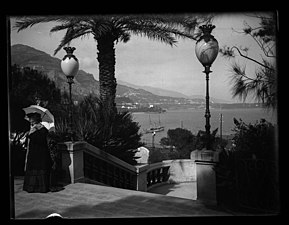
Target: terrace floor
pixel 81 200
pixel 187 190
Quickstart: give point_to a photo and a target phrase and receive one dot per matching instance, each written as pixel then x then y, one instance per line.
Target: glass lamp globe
pixel 69 63
pixel 207 46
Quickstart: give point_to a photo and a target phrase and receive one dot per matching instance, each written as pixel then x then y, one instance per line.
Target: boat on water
pixel 155 128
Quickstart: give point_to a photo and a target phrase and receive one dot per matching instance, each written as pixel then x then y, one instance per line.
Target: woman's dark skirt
pixel 37 181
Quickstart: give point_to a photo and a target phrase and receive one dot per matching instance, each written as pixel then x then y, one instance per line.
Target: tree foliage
pixel 257 139
pixel 28 87
pixel 263 84
pixel 247 174
pixel 185 142
pixel 116 134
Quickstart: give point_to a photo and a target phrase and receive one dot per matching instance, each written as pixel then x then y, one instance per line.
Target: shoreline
pixel 193 120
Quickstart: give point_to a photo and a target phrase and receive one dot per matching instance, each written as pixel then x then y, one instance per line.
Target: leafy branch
pixel 228 52
pixel 263 85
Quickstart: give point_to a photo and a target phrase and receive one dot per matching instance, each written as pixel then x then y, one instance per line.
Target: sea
pixel 194 120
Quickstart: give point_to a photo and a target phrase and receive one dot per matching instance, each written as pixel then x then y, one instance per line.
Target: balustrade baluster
pixel 106 178
pixel 102 180
pixel 131 184
pixel 123 179
pixel 158 175
pixel 117 177
pixel 114 176
pixel 153 177
pixel 149 179
pixel 109 176
pixel 120 178
pixel 127 180
pixel 161 175
pixel 94 168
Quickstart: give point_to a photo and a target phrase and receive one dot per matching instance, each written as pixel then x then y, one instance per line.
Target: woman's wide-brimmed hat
pixel 34 115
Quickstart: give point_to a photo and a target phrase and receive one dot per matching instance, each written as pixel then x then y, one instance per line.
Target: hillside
pixel 84 83
pixel 170 93
pixel 26 56
pixel 154 90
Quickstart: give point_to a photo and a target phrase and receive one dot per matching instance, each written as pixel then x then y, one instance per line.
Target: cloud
pixel 88 62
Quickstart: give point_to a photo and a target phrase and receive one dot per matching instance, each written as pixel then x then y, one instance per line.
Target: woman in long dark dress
pixel 38 160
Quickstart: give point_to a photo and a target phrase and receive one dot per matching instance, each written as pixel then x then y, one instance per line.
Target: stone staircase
pixel 81 200
pixel 99 185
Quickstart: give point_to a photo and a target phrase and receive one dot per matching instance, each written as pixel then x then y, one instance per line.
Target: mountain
pixel 154 90
pixel 26 56
pixel 213 100
pixel 84 83
pixel 169 93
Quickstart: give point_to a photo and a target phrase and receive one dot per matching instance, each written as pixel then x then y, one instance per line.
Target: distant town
pixel 167 103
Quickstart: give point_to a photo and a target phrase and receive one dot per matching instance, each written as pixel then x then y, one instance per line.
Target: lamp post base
pixel 206 160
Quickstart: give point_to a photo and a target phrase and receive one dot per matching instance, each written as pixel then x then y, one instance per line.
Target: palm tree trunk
pixel 107 81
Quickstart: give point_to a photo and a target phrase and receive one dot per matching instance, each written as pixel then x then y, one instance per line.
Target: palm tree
pixel 108 30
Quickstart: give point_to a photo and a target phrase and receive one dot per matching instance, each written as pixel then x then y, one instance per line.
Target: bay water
pixel 194 120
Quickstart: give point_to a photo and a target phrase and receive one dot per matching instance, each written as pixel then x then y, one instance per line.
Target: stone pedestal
pixel 206 176
pixel 72 161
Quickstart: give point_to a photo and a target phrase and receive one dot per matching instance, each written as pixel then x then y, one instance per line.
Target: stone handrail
pixel 82 162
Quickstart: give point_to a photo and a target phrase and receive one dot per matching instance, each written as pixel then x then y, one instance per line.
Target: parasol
pixel 46 115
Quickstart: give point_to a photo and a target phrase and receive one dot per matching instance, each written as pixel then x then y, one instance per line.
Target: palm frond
pixel 60 27
pixel 70 35
pixel 150 30
pixel 161 27
pixel 29 21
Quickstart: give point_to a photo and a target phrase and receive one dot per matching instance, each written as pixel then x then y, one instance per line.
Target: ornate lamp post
pixel 207 49
pixel 70 66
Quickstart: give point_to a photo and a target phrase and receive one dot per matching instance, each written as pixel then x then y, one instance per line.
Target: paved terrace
pixel 81 200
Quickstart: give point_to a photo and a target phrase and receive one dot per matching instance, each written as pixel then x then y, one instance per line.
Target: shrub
pixel 115 133
pixel 158 155
pixel 257 139
pixel 185 142
pixel 215 142
pixel 247 174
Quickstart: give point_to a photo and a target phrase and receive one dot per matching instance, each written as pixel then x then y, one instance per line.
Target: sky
pixel 145 62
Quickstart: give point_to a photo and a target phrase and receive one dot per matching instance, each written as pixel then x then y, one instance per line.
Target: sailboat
pixel 154 128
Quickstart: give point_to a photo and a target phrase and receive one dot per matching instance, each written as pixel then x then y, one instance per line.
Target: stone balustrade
pixel 82 162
